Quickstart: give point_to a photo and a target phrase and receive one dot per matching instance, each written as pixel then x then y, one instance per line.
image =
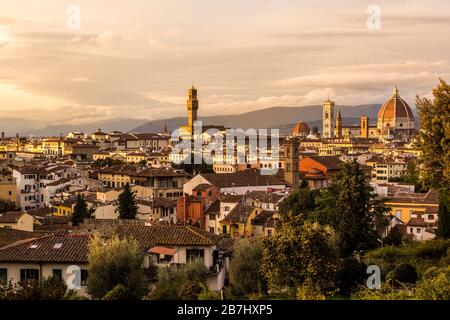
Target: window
pixel 29 275
pixel 224 229
pixel 194 253
pixel 430 217
pixel 211 229
pixel 269 233
pixel 3 276
pixel 212 217
pixel 57 274
pixel 418 230
pixel 84 278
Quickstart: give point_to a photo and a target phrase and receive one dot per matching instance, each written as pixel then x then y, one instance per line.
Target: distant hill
pixel 270 118
pixel 123 125
pixel 283 118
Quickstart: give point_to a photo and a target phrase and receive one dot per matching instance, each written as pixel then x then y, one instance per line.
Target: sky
pixel 136 59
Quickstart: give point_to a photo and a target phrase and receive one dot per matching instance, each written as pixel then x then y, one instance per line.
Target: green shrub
pixel 436 285
pixel 119 292
pixel 404 273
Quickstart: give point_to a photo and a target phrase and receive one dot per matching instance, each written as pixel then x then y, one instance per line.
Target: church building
pixel 395 120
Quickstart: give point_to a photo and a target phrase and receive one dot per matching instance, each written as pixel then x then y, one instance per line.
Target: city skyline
pixel 139 65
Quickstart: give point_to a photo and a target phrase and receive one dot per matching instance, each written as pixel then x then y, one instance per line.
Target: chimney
pixel 3 135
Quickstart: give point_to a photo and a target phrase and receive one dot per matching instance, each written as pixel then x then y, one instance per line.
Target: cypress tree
pixel 80 211
pixel 127 203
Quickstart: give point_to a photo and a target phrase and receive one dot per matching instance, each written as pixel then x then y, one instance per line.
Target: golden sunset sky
pixel 137 58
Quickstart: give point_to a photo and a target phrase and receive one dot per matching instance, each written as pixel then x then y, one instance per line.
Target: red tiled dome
pixel 301 128
pixel 394 107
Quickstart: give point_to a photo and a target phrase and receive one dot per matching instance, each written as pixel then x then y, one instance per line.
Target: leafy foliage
pixel 299 203
pixel 350 207
pixel 435 137
pixel 7 205
pixel 351 274
pixel 404 273
pixel 443 230
pixel 435 286
pixel 245 275
pixel 47 289
pixel 185 282
pixel 411 177
pixel 108 162
pixel 300 252
pixel 119 292
pixel 116 262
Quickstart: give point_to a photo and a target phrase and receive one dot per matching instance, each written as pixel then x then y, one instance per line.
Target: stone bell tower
pixel 192 107
pixel 291 169
pixel 328 119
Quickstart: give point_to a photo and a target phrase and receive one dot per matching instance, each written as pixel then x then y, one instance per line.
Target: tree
pixel 443 230
pixel 412 176
pixel 435 137
pixel 394 237
pixel 350 207
pixel 184 282
pixel 116 262
pixel 80 211
pixel 350 275
pixel 50 288
pixel 127 203
pixel 119 292
pixel 300 254
pixel 298 203
pixel 245 275
pixel 8 205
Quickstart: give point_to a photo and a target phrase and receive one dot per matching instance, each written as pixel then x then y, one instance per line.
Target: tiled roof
pixel 148 172
pixel 163 250
pixel 159 202
pixel 49 248
pixel 10 216
pixel 255 195
pixel 241 179
pixel 11 235
pixel 270 197
pixel 416 222
pixel 263 217
pixel 40 212
pixel 231 198
pixel 202 187
pixel 214 208
pixel 167 235
pixel 330 162
pixel 431 197
pixel 239 213
pixel 227 244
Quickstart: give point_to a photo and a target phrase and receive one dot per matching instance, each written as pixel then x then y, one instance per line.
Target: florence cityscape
pixel 251 151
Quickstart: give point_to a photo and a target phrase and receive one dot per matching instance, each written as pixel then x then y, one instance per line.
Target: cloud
pixel 79 79
pixel 6 20
pixel 154 43
pixel 106 39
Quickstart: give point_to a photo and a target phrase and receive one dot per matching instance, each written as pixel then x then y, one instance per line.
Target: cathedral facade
pixel 395 120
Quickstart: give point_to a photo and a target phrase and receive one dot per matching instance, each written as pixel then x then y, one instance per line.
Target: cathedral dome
pixel 396 113
pixel 301 128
